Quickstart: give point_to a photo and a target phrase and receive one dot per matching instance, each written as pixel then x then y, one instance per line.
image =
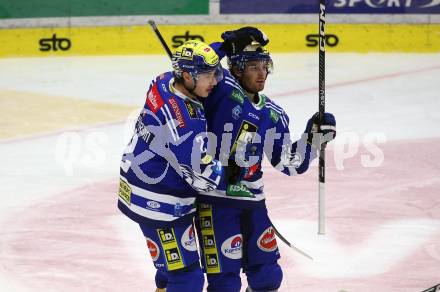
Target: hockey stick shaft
pixel 159 36
pixel 165 46
pixel 321 195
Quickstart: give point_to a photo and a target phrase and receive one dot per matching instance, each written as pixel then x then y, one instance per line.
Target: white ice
pixel 393 95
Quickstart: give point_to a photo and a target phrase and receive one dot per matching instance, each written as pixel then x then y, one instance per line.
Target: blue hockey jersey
pixel 247 131
pixel 165 165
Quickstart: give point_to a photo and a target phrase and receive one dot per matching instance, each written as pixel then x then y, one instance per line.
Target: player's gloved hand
pixel 236 40
pixel 323 134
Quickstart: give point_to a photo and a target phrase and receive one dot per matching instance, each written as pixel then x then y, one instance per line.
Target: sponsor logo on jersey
pixel 125 191
pixel 166 235
pixel 188 239
pixel 141 129
pixel 153 204
pixel 236 112
pixel 239 190
pixel 212 264
pixel 206 222
pixel 209 241
pixel 267 241
pixel 192 111
pixel 254 116
pixel 177 112
pixel 237 96
pixel 172 255
pixel 232 247
pixel 153 248
pixel 154 100
pixel 250 171
pixel 245 135
pixel 274 116
pixel 171 249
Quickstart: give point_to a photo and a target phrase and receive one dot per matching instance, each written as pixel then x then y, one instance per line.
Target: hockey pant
pixel 175 256
pixel 233 238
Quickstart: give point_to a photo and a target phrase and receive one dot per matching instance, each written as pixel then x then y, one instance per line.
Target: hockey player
pixel 165 166
pixel 235 230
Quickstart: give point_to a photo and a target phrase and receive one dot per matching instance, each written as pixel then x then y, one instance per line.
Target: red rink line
pixel 352 82
pixel 67 243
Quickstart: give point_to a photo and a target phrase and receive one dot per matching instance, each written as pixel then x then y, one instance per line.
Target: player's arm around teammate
pixel 165 167
pixel 236 231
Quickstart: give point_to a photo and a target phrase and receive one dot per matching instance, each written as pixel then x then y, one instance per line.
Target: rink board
pixel 133 40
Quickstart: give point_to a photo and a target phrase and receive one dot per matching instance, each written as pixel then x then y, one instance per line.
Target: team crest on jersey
pixel 236 112
pixel 196 180
pixel 267 241
pixel 188 239
pixel 153 248
pixel 232 247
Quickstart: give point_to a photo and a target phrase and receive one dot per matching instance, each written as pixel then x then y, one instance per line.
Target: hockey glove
pixel 323 134
pixel 236 40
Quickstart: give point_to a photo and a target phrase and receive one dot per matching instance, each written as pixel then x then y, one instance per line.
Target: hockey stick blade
pixel 283 239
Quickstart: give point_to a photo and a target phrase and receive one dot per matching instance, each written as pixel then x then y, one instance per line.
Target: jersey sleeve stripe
pixel 282 117
pixel 235 86
pixel 170 122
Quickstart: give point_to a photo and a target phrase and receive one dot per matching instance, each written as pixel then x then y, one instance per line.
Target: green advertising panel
pixel 66 8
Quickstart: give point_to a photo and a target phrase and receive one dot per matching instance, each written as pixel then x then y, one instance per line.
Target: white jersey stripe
pixel 161 198
pixel 253 184
pixel 235 86
pixel 170 122
pixel 153 215
pixel 281 113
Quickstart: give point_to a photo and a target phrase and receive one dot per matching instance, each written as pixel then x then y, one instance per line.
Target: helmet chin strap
pixel 191 90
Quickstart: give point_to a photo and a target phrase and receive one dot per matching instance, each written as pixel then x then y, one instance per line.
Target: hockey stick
pixel 165 46
pixel 159 36
pixel 289 244
pixel 321 196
